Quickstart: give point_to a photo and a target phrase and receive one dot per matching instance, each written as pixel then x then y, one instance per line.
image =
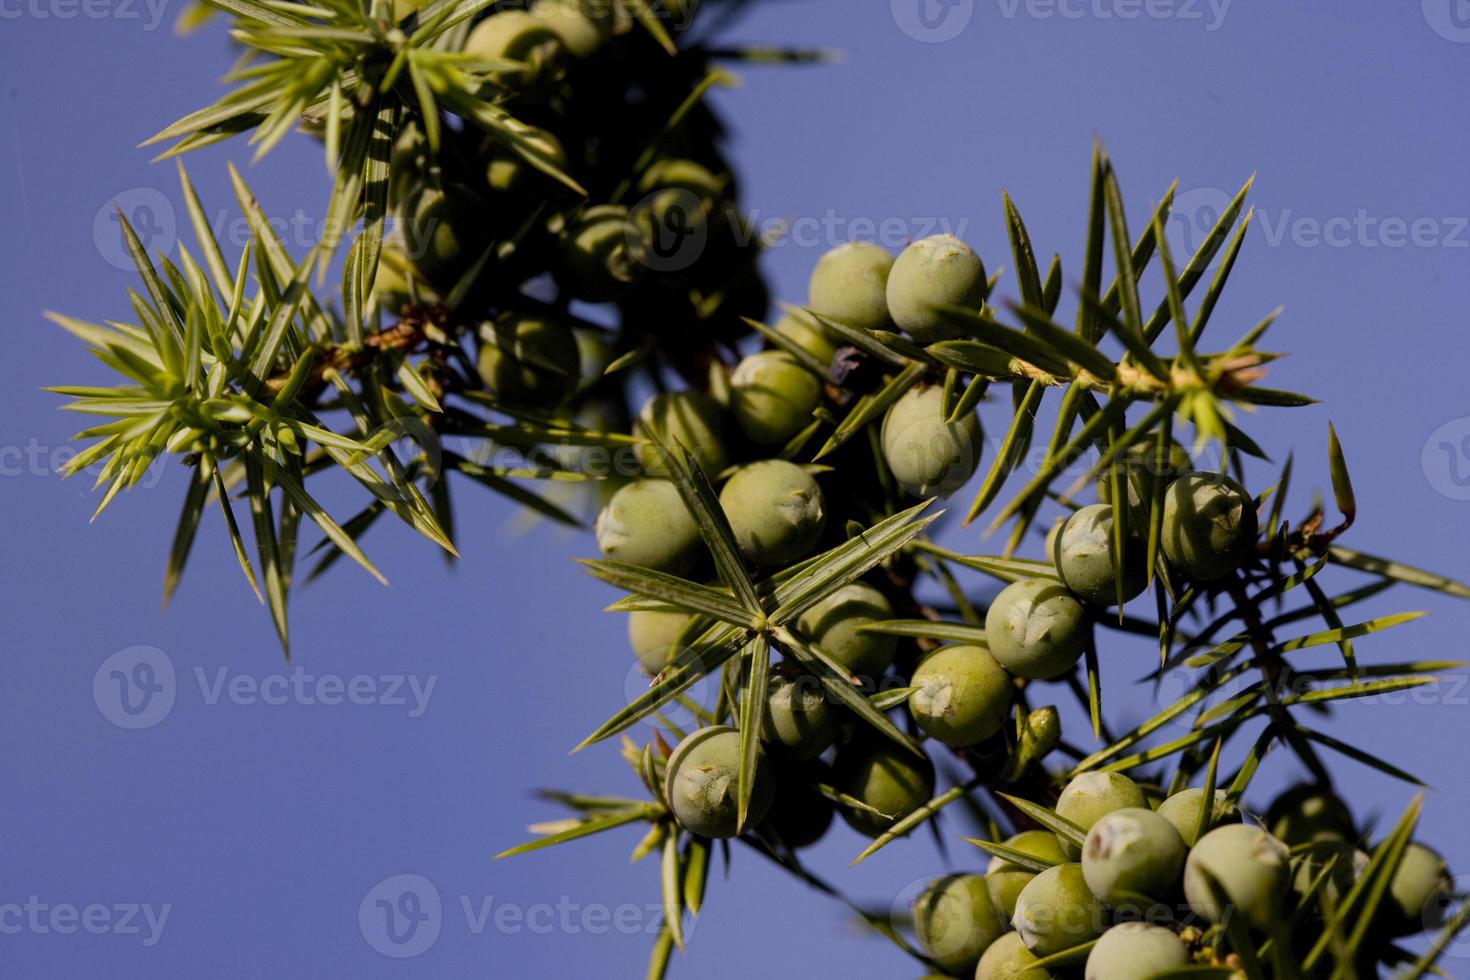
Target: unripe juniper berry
pixel 776 510
pixel 688 418
pixel 835 624
pixel 1132 855
pixel 1056 911
pixel 963 696
pixel 701 783
pixel 1005 880
pixel 850 285
pixel 1086 560
pixel 928 455
pixel 1090 796
pixel 1209 525
pixel 930 274
pixel 1135 951
pixel 1249 865
pixel 646 523
pixel 1036 629
pixel 772 397
pixel 884 776
pixel 956 922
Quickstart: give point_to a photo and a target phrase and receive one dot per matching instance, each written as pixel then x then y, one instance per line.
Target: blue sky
pixel 242 833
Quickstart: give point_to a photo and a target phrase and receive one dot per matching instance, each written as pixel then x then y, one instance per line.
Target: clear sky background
pixel 262 829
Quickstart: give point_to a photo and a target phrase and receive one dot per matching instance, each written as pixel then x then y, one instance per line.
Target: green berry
pixel 1086 560
pixel 928 455
pixel 1036 629
pixel 776 510
pixel 886 777
pixel 646 523
pixel 1183 811
pixel 772 397
pixel 529 360
pixel 930 274
pixel 1249 865
pixel 511 176
pixel 1209 525
pixel 601 254
pixel 1420 891
pixel 1306 812
pixel 1348 864
pixel 516 35
pixel 437 235
pixel 1056 911
pixel 956 922
pixel 963 696
pixel 807 334
pixel 850 285
pixel 701 783
pixel 673 183
pixel 1135 951
pixel 836 623
pixel 1009 959
pixel 1132 854
pixel 654 636
pixel 800 815
pixel 1090 796
pixel 799 722
pixel 1005 880
pixel 1142 466
pixel 583 26
pixel 688 418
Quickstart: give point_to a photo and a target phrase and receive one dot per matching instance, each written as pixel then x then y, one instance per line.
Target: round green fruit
pixel 1005 880
pixel 886 777
pixel 1132 855
pixel 850 285
pixel 1056 911
pixel 516 35
pixel 511 176
pixel 776 510
pixel 654 636
pixel 772 397
pixel 1009 959
pixel 1135 951
pixel 1142 466
pixel 646 523
pixel 601 253
pixel 836 623
pixel 929 455
pixel 1420 891
pixel 1249 865
pixel 805 332
pixel 437 235
pixel 1036 629
pixel 701 783
pixel 1346 861
pixel 1183 811
pixel 1086 559
pixel 688 418
pixel 963 696
pixel 1307 812
pixel 529 360
pixel 1090 796
pixel 1209 525
pixel 956 922
pixel 799 722
pixel 582 25
pixel 930 274
pixel 800 814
